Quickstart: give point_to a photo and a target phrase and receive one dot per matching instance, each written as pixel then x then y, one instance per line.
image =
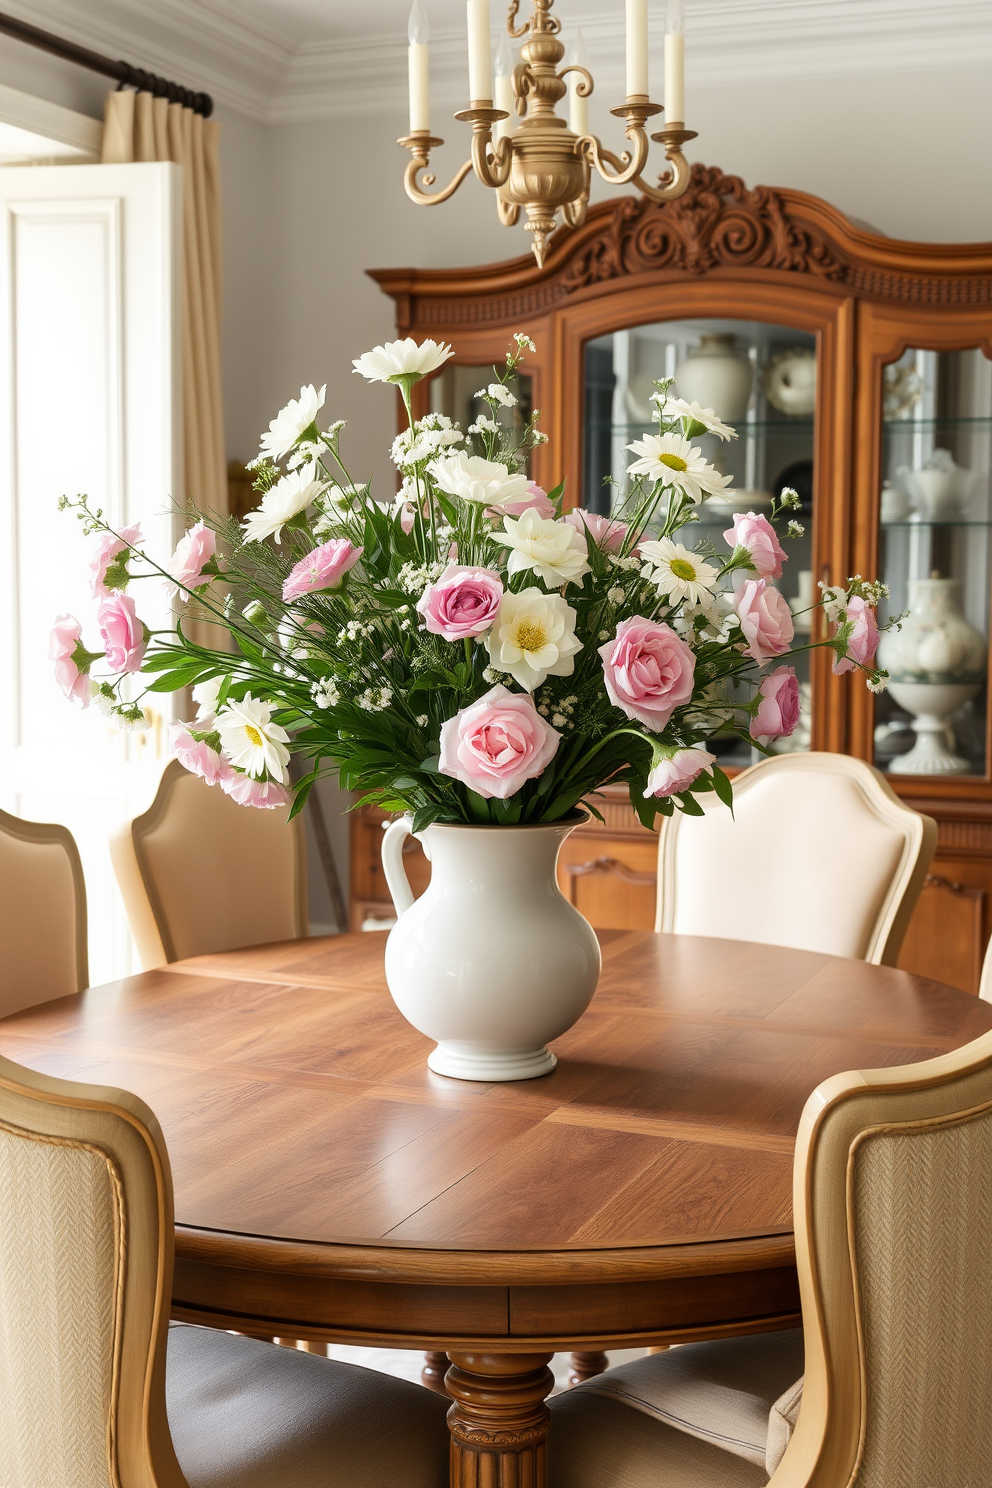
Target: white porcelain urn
pixel 715 376
pixel 492 962
pixel 936 663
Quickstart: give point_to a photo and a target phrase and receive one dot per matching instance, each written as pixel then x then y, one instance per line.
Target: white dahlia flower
pixel 287 426
pixel 472 478
pixel 554 550
pixel 286 499
pixel 401 359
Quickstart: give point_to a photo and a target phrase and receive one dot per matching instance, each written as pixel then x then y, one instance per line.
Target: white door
pixel 90 400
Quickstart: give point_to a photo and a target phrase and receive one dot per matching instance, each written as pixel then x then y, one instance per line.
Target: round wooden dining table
pixel 330 1187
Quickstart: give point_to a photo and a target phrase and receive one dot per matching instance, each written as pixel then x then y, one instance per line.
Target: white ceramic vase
pixel 936 663
pixel 715 376
pixel 492 962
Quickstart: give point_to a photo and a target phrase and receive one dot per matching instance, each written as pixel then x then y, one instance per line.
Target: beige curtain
pixel 140 127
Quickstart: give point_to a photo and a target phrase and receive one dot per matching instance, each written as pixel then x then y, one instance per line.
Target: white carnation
pixel 292 421
pixel 397 360
pixel 472 478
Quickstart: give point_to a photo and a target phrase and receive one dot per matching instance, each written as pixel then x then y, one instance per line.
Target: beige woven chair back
pixel 893 1207
pixel 85 1287
pixel 199 873
pixel 42 914
pixel 819 855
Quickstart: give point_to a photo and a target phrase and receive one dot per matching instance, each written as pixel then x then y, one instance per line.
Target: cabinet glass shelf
pixel 803 426
pixel 932 719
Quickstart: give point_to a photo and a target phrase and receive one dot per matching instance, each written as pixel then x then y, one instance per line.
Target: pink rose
pixel 108 546
pixel 778 710
pixel 863 640
pixel 196 755
pixel 497 743
pixel 758 536
pixel 324 568
pixel 648 671
pixel 62 648
pixel 536 499
pixel 765 617
pixel 265 794
pixel 123 633
pixel 677 772
pixel 464 601
pixel 194 551
pixel 606 533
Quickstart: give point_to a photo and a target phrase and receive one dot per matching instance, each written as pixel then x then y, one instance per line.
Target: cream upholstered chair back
pixel 893 1216
pixel 86 1237
pixel 199 873
pixel 42 914
pixel 819 854
pixel 985 985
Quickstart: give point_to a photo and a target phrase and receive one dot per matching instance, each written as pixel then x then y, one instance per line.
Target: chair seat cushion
pixel 249 1414
pixel 739 1394
pixel 597 1441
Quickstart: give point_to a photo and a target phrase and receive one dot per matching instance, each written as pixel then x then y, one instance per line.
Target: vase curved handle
pixel 397 882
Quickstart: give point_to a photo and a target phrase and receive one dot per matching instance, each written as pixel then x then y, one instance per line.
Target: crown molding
pixel 255 70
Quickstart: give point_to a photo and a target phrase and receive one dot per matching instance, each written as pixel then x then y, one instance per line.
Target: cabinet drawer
pixel 611 880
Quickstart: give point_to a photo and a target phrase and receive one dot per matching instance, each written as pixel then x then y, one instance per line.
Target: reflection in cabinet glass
pixel 935 550
pixel 455 393
pixel 758 377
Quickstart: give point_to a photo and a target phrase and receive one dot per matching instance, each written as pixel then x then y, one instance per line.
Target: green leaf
pixel 690 806
pixel 424 816
pixel 724 787
pixel 302 792
pixel 478 806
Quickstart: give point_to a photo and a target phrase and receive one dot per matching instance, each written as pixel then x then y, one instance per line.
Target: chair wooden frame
pixel 44 834
pixel 126 1134
pixel 919 833
pixel 148 920
pixel 828 1441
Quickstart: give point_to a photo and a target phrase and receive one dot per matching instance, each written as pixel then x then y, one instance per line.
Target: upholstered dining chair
pixel 819 855
pixel 892 1198
pixel 985 985
pixel 43 951
pixel 98 1391
pixel 199 873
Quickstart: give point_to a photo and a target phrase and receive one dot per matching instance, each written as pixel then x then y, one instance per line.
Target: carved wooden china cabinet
pixel 858 370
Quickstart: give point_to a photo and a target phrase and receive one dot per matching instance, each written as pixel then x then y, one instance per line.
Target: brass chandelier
pixel 544 164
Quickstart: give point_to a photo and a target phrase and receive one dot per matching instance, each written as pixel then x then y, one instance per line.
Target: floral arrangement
pixel 469 651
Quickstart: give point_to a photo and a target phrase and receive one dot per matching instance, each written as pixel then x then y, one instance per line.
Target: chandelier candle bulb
pixel 420 97
pixel 480 59
pixel 504 86
pixel 674 63
pixel 637 48
pixel 578 106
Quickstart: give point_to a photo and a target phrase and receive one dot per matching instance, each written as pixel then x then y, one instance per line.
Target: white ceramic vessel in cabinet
pixel 492 962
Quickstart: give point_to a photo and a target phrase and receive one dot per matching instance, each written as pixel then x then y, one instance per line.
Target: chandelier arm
pixel 492 170
pixel 509 212
pixel 511 17
pixel 669 188
pixel 626 168
pixel 425 198
pixel 586 85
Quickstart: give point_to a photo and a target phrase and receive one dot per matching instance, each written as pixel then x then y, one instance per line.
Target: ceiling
pixel 285 61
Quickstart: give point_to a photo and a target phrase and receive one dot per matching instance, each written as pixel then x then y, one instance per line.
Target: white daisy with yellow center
pixel 675 462
pixel 533 637
pixel 251 740
pixel 678 572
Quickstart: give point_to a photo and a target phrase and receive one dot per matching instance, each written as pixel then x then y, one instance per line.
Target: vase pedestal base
pixel 467 1061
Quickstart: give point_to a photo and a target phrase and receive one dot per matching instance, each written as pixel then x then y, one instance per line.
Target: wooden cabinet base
pixel 584 1366
pixel 499 1421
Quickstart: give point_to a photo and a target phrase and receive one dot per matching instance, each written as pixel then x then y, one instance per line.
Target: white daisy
pixel 554 550
pixel 474 479
pixel 677 572
pixel 677 408
pixel 287 426
pixel 675 462
pixel 533 637
pixel 286 499
pixel 252 741
pixel 401 359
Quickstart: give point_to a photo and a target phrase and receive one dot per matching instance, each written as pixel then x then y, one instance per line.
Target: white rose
pixel 533 637
pixel 472 478
pixel 555 550
pixel 286 499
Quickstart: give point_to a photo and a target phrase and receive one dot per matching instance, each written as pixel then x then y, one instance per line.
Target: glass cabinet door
pixel 935 557
pixel 761 378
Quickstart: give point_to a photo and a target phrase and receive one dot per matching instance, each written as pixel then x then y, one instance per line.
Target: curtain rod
pixel 123 72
